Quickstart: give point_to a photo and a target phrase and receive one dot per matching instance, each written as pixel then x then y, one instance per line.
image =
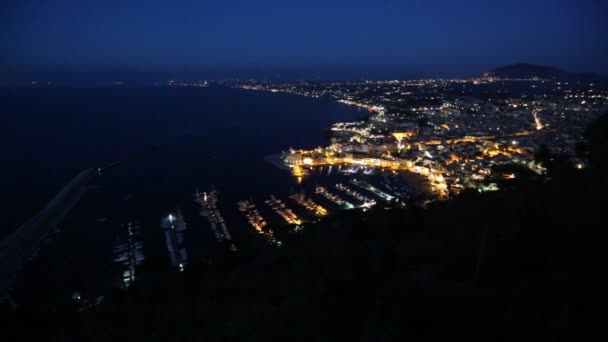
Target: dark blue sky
pixel 310 37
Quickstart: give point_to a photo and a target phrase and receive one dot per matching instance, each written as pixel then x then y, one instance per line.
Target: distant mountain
pixel 523 70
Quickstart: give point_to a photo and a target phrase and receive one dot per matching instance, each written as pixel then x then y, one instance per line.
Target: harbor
pixel 146 188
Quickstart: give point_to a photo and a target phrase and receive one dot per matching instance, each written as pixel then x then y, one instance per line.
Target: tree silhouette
pixel 558 165
pixel 597 135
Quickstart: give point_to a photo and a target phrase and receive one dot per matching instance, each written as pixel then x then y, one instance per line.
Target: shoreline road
pixel 23 243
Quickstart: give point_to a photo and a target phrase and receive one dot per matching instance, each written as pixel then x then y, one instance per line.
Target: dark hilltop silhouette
pixel 527 71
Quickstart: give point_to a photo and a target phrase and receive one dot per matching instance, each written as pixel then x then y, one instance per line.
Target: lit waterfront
pixel 453 132
pixel 309 159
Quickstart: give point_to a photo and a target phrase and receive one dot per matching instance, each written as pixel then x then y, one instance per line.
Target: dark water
pixel 169 141
pixel 173 139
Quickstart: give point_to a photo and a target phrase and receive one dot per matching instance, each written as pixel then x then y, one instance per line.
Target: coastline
pixel 276 160
pixel 419 183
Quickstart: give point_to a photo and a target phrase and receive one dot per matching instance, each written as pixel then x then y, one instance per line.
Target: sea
pixel 156 147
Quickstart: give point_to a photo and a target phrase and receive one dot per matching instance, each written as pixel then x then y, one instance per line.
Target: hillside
pixel 528 71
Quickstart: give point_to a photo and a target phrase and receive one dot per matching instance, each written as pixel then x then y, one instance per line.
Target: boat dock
pixel 208 202
pixel 287 214
pixel 129 253
pixel 174 227
pixel 366 186
pixel 333 197
pixel 257 222
pixel 309 204
pixel 367 202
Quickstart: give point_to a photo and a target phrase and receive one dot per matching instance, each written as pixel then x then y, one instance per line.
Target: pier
pixel 309 204
pixel 129 253
pixel 25 241
pixel 174 227
pixel 333 197
pixel 208 202
pixel 367 202
pixel 258 223
pixel 366 186
pixel 287 214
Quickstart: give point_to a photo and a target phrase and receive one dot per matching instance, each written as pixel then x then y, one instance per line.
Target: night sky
pixel 307 38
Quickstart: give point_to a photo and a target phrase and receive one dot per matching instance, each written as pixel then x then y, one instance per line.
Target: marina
pixel 397 187
pixel 144 189
pixel 258 223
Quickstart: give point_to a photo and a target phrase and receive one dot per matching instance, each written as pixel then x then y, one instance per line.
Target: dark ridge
pixel 527 71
